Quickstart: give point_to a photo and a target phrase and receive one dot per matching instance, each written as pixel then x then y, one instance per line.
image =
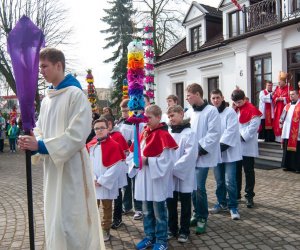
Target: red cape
pixel 156 141
pixel 119 138
pixel 247 112
pixel 112 152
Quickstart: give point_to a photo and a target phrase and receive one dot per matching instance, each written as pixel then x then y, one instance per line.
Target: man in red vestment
pixel 280 98
pixel 290 119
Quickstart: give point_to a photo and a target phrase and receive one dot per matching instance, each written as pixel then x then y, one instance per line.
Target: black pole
pixel 29 197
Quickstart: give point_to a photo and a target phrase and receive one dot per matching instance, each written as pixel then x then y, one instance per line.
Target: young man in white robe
pixel 108 158
pixel 183 174
pixel 205 122
pixel 153 183
pixel 70 210
pixel 249 121
pixel 230 145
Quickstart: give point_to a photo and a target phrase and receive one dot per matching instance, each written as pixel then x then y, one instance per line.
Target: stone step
pixel 272 161
pixel 271 145
pixel 270 152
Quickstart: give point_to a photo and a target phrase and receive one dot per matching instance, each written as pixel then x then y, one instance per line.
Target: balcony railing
pixel 267 13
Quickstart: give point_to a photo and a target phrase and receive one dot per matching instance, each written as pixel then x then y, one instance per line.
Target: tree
pixel 48 15
pixel 167 17
pixel 121 31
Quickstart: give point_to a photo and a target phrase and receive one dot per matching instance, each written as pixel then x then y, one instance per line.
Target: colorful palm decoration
pixel 136 104
pixel 92 94
pixel 149 60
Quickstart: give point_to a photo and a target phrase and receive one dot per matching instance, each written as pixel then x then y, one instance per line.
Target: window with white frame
pixel 196 38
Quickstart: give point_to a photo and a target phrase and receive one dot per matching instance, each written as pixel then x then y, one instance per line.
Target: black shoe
pixel 116 224
pixel 249 202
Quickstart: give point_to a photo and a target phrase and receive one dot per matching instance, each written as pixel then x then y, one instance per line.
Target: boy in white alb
pixel 183 173
pixel 230 145
pixel 153 181
pixel 249 121
pixel 205 122
pixel 107 158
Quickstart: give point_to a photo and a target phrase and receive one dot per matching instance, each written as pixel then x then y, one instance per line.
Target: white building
pixel 226 47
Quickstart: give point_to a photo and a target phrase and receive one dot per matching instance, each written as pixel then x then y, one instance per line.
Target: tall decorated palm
pixel 120 32
pixel 92 94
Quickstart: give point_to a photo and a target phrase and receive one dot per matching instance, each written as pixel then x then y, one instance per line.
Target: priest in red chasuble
pixel 291 134
pixel 280 98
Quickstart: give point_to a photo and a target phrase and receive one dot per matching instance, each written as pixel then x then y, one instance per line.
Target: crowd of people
pixel 10 128
pixel 177 149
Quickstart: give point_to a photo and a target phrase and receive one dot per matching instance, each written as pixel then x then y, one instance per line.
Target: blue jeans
pixel 156 221
pixel 200 196
pixel 225 175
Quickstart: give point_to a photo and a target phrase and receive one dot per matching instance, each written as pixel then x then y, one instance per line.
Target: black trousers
pixel 117 215
pixel 291 159
pixel 185 216
pixel 248 164
pixel 266 134
pixel 1 144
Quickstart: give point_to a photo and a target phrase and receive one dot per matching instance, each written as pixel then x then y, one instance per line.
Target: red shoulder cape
pixel 247 112
pixel 156 141
pixel 112 152
pixel 119 138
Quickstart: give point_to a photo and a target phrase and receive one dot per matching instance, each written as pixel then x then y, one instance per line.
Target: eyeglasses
pixel 100 128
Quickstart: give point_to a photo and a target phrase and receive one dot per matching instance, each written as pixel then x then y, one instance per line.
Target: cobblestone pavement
pixel 274 223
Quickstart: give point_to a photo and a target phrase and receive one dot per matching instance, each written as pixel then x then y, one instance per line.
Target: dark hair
pixel 194 88
pixel 109 118
pixel 101 119
pixel 173 97
pixel 216 92
pixel 54 56
pixel 109 110
pixel 95 116
pixel 237 95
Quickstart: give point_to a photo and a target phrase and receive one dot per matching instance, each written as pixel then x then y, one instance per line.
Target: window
pixel 261 69
pixel 212 83
pixel 295 5
pixel 179 93
pixel 293 56
pixel 235 24
pixel 196 38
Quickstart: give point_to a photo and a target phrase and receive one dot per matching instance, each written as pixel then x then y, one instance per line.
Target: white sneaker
pixel 106 235
pixel 138 215
pixel 234 212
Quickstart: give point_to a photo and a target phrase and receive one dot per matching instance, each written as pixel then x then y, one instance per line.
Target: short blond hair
pixel 124 103
pixel 175 109
pixel 154 109
pixel 194 88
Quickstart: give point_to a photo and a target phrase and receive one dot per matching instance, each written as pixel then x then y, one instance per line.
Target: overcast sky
pixel 88 51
